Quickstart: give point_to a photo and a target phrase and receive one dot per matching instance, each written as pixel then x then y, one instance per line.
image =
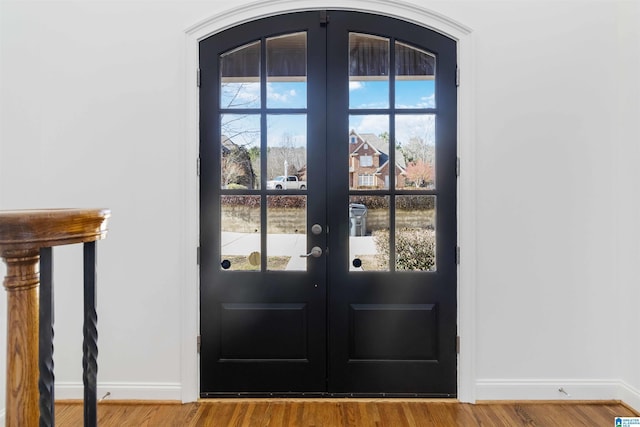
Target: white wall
pixel 93 114
pixel 549 86
pixel 627 205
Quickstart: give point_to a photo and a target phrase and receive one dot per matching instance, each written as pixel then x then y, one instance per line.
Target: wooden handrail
pixel 24 235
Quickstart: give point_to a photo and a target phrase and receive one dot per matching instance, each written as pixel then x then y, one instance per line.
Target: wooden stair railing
pixel 26 241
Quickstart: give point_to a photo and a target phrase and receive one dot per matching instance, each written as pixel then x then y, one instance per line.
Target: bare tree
pixel 239 95
pixel 242 129
pixel 240 136
pixel 232 172
pixel 237 167
pixel 417 149
pixel 286 153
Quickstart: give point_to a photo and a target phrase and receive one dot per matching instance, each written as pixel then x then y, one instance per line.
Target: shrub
pixel 415 248
pixel 371 202
pixel 415 202
pixel 407 202
pixel 234 186
pixel 272 201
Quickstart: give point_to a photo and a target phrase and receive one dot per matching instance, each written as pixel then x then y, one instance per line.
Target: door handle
pixel 316 252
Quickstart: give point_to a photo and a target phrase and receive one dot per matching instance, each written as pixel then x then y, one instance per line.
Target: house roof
pixel 380 145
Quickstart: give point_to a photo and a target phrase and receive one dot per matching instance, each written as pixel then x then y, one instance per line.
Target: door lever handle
pixel 316 252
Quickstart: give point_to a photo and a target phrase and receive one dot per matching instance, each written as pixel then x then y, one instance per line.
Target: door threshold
pixel 324 395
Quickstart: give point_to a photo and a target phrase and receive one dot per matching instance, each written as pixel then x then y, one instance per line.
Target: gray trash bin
pixel 357 219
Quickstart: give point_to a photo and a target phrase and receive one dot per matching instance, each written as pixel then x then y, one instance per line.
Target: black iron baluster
pixel 90 333
pixel 45 340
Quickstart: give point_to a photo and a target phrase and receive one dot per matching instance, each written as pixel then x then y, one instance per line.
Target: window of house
pixel 366 161
pixel 366 180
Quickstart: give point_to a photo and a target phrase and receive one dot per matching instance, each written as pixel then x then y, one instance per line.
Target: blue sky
pixel 362 94
pixel 375 94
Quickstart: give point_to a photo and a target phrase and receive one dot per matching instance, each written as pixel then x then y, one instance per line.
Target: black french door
pixel 328 207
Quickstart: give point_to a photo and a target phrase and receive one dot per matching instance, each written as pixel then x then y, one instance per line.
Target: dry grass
pixel 241 263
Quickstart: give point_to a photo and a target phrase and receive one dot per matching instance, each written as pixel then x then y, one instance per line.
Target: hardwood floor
pixel 345 412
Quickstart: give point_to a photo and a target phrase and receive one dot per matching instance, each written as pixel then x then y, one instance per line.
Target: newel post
pixel 21 282
pixel 26 239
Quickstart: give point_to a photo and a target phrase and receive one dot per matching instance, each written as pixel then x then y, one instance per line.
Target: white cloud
pixel 355 85
pixel 428 101
pixel 278 96
pixel 415 126
pixel 407 126
pixel 369 124
pixel 424 102
pixel 240 94
pixel 287 129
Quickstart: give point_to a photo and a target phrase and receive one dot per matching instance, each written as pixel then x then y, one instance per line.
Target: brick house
pixel 369 162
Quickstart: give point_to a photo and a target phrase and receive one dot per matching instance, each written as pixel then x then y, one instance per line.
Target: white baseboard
pixel 122 391
pixel 486 390
pixel 558 389
pixel 546 389
pixel 630 395
pixel 118 391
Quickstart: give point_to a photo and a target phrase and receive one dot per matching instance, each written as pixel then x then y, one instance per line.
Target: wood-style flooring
pixel 345 412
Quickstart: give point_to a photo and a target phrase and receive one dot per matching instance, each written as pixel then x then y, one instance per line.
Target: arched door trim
pixel 189 375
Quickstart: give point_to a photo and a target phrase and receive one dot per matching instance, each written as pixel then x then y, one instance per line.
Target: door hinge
pixel 458 255
pixel 324 18
pixel 198 76
pixel 199 343
pixel 457 166
pixel 457 76
pixel 198 165
pixel 198 255
pixel 457 344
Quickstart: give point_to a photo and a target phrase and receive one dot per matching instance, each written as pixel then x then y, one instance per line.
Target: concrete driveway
pixel 291 245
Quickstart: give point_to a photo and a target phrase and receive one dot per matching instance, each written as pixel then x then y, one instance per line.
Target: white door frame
pixel 466 209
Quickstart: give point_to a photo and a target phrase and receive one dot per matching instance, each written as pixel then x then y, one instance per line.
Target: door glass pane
pixel 240 146
pixel 368 152
pixel 287 152
pixel 240 232
pixel 368 71
pixel 415 77
pixel 287 71
pixel 240 77
pixel 286 233
pixel 416 137
pixel 369 233
pixel 415 235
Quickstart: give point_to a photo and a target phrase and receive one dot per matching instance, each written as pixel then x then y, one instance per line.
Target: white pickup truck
pixel 290 182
